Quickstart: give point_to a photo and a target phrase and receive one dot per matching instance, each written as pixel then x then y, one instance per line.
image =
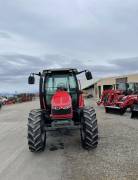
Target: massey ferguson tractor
pixel 61 106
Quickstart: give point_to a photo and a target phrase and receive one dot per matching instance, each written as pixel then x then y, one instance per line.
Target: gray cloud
pixel 98 35
pixel 19 66
pixel 4 35
pixel 128 64
pixel 99 28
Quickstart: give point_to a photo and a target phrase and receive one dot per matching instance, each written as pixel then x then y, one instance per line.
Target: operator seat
pixel 61 87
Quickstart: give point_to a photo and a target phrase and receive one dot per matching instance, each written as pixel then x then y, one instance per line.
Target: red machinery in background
pixel 19 98
pixel 121 104
pixel 118 101
pixel 109 97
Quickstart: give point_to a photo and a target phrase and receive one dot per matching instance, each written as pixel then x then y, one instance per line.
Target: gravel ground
pixel 115 158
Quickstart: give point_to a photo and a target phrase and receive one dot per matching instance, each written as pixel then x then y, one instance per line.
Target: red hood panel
pixel 61 99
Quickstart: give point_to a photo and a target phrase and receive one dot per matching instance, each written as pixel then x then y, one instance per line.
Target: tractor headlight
pixel 61 110
pixel 66 107
pixel 56 107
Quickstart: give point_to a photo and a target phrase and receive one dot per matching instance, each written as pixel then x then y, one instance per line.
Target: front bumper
pixel 61 114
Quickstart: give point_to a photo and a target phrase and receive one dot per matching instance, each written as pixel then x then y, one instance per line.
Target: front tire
pixel 36 132
pixel 89 129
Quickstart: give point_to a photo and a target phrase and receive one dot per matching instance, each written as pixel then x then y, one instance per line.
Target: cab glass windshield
pixel 55 82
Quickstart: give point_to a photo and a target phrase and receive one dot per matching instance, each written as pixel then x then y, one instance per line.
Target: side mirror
pixel 31 79
pixel 88 75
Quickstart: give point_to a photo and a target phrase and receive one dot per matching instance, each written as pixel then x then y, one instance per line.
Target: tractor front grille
pixel 61 111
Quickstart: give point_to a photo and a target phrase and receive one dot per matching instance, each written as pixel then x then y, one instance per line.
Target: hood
pixel 61 100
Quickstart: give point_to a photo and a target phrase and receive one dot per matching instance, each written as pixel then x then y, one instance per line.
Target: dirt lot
pixel 115 158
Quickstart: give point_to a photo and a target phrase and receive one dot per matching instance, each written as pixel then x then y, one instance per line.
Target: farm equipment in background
pixel 10 100
pixel 61 106
pixel 18 98
pixel 109 96
pixel 24 97
pixel 118 101
pixel 121 104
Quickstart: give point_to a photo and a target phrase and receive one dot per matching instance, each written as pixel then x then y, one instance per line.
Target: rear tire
pixel 36 132
pixel 89 129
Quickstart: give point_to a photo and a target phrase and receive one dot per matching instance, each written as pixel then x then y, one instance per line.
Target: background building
pixel 96 88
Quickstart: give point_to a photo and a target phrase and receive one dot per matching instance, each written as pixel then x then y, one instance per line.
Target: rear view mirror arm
pixel 81 71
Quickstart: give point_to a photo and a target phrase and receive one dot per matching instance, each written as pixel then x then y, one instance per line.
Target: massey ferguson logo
pixel 62 107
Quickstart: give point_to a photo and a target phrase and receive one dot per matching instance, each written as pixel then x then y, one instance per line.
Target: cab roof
pixel 58 70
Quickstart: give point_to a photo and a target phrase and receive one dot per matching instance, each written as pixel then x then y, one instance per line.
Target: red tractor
pixel 109 97
pixel 61 106
pixel 120 102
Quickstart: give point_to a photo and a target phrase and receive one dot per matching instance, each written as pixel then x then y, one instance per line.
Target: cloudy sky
pixel 101 35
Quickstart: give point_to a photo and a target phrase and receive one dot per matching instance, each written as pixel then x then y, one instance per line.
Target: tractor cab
pixel 60 81
pixel 127 88
pixel 53 80
pixel 133 87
